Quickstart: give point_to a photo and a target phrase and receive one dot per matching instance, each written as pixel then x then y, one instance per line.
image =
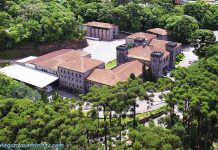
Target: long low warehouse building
pixel 30 76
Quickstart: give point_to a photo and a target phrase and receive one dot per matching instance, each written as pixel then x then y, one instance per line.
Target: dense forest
pixel 42 21
pixel 26 116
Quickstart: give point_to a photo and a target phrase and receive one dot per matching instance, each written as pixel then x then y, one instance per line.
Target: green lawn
pixel 179 58
pixel 145 114
pixel 111 64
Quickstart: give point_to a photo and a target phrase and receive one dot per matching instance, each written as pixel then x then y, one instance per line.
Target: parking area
pixel 103 50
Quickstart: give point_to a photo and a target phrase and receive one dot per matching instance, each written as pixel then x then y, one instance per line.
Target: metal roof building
pixel 29 75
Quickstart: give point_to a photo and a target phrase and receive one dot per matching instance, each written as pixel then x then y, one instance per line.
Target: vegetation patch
pixel 111 64
pixel 179 58
pixel 146 114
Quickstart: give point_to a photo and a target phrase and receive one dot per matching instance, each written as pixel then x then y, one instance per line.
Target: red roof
pixel 143 52
pixel 146 36
pixel 49 56
pixel 158 31
pixel 100 25
pixel 120 73
pixel 81 64
pixel 71 59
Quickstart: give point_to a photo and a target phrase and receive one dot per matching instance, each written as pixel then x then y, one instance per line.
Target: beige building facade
pixel 103 31
pixel 75 81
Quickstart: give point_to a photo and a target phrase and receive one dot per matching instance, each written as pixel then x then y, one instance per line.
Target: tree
pixel 211 64
pixel 120 2
pixel 153 138
pixel 101 97
pixel 194 95
pixel 208 51
pixel 13 89
pixel 196 10
pixel 181 28
pixel 37 21
pixel 202 37
pixel 134 91
pixel 144 73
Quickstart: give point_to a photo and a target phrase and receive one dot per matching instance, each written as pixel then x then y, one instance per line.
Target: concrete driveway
pixel 190 57
pixel 103 50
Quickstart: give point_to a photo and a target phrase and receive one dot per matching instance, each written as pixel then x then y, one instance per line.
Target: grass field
pixel 111 64
pixel 179 58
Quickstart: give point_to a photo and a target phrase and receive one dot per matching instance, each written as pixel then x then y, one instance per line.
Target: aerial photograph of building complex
pixel 109 75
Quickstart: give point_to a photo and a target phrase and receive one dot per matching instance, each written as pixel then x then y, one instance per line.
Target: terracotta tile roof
pixel 104 76
pixel 143 53
pixel 81 64
pixel 120 73
pixel 125 70
pixel 49 56
pixel 100 24
pixel 147 36
pixel 160 44
pixel 55 59
pixel 158 31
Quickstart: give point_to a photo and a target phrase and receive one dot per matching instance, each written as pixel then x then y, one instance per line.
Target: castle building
pixel 103 31
pixel 158 55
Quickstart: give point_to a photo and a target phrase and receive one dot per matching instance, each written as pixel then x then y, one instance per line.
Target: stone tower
pixel 122 52
pixel 170 47
pixel 156 64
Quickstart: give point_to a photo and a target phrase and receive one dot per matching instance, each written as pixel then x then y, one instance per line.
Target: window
pixel 72 79
pixel 68 78
pixel 76 75
pixel 72 73
pixel 80 76
pixel 64 71
pixel 76 80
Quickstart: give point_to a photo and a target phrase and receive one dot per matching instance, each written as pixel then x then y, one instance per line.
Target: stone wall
pixel 50 47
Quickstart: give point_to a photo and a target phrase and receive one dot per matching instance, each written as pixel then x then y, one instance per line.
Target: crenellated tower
pixel 156 64
pixel 122 53
pixel 171 48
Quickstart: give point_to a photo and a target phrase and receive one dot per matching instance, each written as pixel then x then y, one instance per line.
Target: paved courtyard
pixel 190 57
pixel 103 50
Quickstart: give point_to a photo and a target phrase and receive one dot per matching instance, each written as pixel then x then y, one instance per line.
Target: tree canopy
pixel 13 89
